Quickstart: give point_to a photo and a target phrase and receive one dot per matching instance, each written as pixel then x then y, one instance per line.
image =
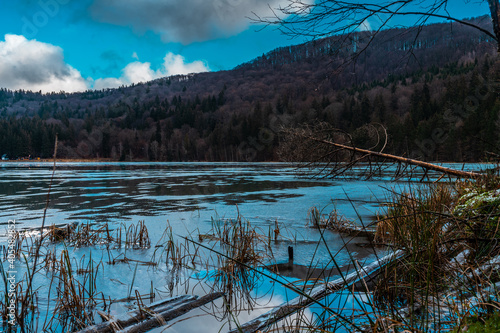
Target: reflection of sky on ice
pixel 189 197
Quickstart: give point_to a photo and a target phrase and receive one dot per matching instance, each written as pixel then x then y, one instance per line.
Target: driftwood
pixel 154 315
pixel 316 294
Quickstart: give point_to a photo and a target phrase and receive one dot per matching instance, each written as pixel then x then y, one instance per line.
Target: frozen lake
pixel 189 197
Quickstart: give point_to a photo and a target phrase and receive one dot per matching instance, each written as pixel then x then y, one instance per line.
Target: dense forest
pixel 434 90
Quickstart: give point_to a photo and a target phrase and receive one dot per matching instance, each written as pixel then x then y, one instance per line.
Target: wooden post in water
pixel 290 254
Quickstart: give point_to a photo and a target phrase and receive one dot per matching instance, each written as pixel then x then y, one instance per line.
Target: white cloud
pixel 107 83
pixel 175 64
pixel 32 65
pixel 137 71
pixel 135 56
pixel 184 21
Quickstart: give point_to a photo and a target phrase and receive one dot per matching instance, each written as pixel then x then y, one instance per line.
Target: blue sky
pixel 73 45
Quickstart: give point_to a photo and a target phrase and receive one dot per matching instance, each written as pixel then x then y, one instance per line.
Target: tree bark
pixel 495 18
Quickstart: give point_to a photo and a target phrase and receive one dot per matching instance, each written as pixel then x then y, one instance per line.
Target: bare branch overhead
pixel 325 18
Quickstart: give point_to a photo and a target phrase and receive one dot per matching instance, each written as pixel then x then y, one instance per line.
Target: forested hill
pixel 434 90
pixel 393 52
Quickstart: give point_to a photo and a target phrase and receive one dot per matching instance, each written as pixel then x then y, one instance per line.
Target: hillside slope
pixel 434 90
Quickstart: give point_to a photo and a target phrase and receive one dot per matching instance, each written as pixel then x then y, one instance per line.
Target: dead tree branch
pixel 326 18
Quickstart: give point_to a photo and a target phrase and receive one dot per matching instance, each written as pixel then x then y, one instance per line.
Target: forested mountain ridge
pixel 434 90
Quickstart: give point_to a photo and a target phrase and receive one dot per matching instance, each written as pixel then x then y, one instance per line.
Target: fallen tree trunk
pixel 158 312
pixel 135 316
pixel 288 308
pixel 162 318
pixel 400 159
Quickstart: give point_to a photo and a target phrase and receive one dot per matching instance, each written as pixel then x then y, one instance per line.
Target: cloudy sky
pixel 74 45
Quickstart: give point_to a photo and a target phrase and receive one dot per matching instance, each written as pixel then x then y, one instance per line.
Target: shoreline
pixel 108 160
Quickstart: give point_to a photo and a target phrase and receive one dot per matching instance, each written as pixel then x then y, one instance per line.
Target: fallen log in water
pixel 161 318
pixel 316 294
pixel 325 148
pixel 400 159
pixel 155 315
pixel 136 316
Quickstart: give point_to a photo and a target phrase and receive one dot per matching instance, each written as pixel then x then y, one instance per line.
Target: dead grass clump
pixel 419 223
pixel 338 223
pixel 137 237
pixel 416 217
pixel 240 242
pixel 241 247
pixel 76 295
pixel 451 251
pixel 50 262
pixel 57 234
pixel 87 234
pixel 175 254
pixel 334 221
pixel 134 236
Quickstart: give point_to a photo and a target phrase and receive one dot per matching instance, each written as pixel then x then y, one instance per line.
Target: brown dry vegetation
pixel 450 238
